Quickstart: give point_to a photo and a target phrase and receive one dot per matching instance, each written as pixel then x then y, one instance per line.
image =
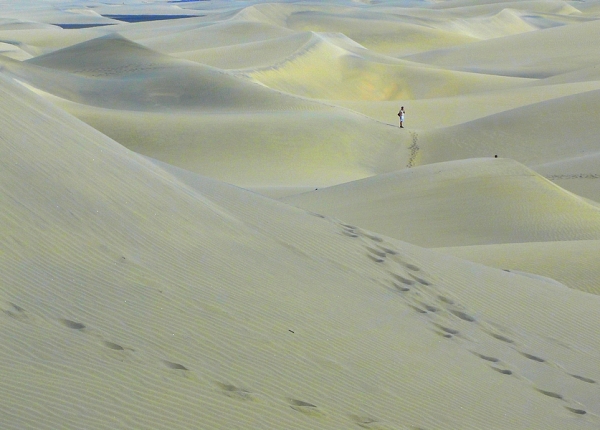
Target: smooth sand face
pixel 145 282
pixel 470 202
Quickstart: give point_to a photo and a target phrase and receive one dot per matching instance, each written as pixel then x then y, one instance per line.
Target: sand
pixel 211 219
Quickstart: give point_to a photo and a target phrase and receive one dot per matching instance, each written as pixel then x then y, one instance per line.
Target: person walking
pixel 401 115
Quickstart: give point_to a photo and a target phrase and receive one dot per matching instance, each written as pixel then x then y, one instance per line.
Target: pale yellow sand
pixel 539 133
pixel 573 263
pixel 138 290
pixel 212 122
pixel 580 175
pixel 469 202
pixel 520 55
pixel 433 113
pixel 240 311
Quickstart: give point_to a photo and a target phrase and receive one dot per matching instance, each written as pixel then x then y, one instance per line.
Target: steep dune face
pixel 147 301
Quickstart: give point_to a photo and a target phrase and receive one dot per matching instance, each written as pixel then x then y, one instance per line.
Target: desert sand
pixel 212 220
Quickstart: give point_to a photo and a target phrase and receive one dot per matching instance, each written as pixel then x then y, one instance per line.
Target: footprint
pixel 487 357
pixel 462 315
pixel 446 300
pixel 446 335
pixel 583 378
pixel 501 338
pixel 532 357
pixel 387 250
pixel 380 254
pixel 366 422
pixel 576 411
pixel 374 238
pixel 235 392
pixel 15 312
pixel 550 394
pixel 72 324
pixel 305 407
pixel 430 308
pixel 501 370
pixel 418 309
pixel 400 288
pixel 175 366
pixel 420 280
pixel 448 329
pixel 402 279
pixel 412 267
pixel 113 346
pixel 376 259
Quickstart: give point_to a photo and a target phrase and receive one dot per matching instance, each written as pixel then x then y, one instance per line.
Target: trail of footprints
pixel 235 393
pixel 444 315
pixel 451 320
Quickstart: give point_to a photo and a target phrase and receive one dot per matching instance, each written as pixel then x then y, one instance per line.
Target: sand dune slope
pixel 147 302
pixel 539 133
pixel 477 8
pixel 379 33
pixel 520 55
pixel 573 263
pixel 210 122
pixel 479 201
pixel 135 294
pixel 92 73
pixel 373 27
pixel 439 112
pixel 249 54
pixel 580 175
pixel 210 34
pixel 326 69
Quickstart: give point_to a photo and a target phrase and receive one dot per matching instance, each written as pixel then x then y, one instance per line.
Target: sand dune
pixel 467 202
pixel 154 81
pixel 379 33
pixel 243 127
pixel 144 285
pixel 218 34
pixel 322 69
pixel 223 314
pixel 520 56
pixel 539 133
pixel 571 262
pixel 439 112
pixel 579 174
pixel 248 55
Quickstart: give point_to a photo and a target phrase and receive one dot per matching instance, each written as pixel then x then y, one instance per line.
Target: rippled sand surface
pixel 211 219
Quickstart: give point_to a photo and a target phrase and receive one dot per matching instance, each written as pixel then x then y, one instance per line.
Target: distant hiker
pixel 401 115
